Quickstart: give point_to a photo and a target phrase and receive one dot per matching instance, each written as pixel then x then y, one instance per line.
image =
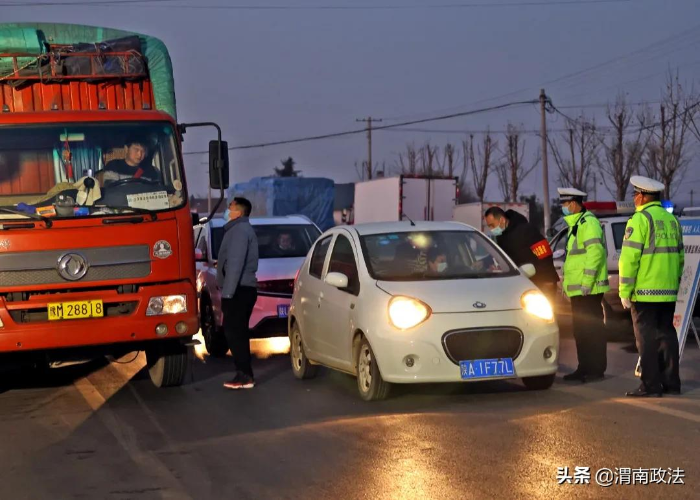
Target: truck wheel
pixel 301 368
pixel 370 383
pixel 214 339
pixel 167 365
pixel 539 383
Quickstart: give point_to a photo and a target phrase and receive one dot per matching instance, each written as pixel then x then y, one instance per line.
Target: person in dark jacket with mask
pixel 523 243
pixel 236 277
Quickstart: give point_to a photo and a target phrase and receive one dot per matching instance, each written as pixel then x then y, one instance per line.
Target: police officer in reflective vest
pixel 585 282
pixel 651 265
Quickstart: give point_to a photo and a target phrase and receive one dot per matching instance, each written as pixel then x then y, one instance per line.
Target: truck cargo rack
pixel 59 65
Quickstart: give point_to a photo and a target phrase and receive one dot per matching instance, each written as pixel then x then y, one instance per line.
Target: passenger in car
pixel 285 244
pixel 437 261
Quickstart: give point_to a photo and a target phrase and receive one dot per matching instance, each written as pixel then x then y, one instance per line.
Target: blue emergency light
pixel 668 205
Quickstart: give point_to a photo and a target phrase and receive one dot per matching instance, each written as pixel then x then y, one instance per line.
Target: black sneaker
pixel 240 381
pixel 674 391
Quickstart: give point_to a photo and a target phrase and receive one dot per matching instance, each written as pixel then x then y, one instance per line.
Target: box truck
pixel 405 198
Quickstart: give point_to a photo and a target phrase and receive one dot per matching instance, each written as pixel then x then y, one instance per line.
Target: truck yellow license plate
pixel 76 310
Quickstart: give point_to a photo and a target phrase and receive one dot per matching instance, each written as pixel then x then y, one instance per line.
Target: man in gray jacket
pixel 235 275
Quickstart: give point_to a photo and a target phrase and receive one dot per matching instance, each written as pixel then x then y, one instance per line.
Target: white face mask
pixel 441 267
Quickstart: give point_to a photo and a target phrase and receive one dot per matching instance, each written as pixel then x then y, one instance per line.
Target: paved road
pixel 102 431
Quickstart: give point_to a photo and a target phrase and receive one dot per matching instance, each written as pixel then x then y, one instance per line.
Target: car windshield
pixel 89 169
pixel 276 241
pixel 433 255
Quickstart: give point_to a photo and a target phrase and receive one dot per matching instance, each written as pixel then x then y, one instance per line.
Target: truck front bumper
pixel 131 327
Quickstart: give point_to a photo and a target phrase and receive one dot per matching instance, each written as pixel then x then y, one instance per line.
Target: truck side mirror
pixel 195 218
pixel 218 170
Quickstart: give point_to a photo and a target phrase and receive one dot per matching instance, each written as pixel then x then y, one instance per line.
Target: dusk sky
pixel 287 72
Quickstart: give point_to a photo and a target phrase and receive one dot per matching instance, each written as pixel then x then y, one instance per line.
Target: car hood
pixel 279 269
pixel 458 296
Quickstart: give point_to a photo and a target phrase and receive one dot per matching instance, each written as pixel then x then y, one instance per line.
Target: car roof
pixel 269 221
pixel 406 227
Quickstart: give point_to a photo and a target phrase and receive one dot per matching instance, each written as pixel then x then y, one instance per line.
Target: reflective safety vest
pixel 586 263
pixel 652 257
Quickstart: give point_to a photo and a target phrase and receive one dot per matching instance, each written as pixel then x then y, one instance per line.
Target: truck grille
pixel 103 264
pixel 482 343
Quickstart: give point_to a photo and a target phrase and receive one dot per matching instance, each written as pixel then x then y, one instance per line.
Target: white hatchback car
pixel 371 301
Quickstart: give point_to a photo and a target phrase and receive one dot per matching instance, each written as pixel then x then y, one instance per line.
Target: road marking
pixel 126 437
pixel 648 405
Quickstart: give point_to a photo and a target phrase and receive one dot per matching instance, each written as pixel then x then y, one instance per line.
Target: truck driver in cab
pixel 134 164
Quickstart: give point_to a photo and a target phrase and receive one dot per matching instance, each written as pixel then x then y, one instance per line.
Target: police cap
pixel 646 185
pixel 571 194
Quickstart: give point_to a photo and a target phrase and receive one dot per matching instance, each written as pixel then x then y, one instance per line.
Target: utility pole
pixel 691 197
pixel 545 166
pixel 369 120
pixel 595 188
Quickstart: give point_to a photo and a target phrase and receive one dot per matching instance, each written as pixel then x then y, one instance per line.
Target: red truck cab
pixel 96 252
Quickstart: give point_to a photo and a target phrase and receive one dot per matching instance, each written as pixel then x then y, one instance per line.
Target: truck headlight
pixel 534 302
pixel 166 304
pixel 405 312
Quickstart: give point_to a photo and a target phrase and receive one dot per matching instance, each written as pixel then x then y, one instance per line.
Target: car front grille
pixel 482 343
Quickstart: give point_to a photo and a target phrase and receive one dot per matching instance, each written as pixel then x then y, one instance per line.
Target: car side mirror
pixel 199 255
pixel 338 280
pixel 558 254
pixel 528 270
pixel 218 169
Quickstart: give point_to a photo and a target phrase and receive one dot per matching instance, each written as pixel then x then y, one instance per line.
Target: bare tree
pixel 480 161
pixel 667 156
pixel 450 158
pixel 407 162
pixel 428 159
pixel 376 171
pixel 511 170
pixel 578 154
pixel 622 156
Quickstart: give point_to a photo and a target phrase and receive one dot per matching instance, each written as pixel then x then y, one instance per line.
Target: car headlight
pixel 535 303
pixel 405 312
pixel 167 304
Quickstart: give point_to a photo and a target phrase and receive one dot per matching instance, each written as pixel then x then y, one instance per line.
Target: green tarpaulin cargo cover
pixel 32 38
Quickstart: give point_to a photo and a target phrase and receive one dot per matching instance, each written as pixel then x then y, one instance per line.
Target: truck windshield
pixel 89 169
pixel 433 255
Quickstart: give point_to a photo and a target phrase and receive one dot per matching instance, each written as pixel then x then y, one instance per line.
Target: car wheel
pixel 539 383
pixel 301 367
pixel 167 364
pixel 370 383
pixel 214 338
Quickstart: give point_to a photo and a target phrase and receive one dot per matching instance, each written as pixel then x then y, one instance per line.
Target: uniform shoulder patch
pixel 628 232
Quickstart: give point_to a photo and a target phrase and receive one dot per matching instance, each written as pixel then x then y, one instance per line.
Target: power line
pixel 445 6
pixel 578 73
pixel 83 3
pixel 383 127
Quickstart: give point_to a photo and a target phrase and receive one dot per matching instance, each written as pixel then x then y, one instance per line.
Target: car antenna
pixel 409 219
